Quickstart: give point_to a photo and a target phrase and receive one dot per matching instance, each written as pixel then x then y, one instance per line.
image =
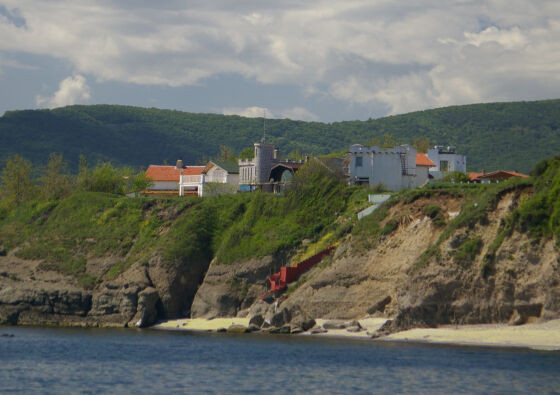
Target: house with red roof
pixel 494 176
pixel 176 180
pixel 423 165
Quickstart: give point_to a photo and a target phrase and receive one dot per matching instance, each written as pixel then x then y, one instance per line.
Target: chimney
pixel 276 154
pixel 483 171
pixel 179 164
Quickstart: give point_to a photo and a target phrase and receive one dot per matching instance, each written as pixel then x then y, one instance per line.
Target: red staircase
pixel 287 274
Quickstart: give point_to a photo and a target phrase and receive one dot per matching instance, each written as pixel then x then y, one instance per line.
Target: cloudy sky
pixel 311 60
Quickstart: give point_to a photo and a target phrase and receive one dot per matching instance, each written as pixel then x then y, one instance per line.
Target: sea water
pixel 58 360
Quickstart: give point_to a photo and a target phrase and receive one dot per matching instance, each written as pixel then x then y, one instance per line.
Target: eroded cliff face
pixel 139 296
pixel 518 283
pixel 229 290
pixel 464 279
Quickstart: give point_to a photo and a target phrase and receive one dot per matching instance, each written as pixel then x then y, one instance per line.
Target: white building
pixel 176 180
pixel 446 160
pixel 397 168
pixel 221 177
pixel 222 172
pixel 265 171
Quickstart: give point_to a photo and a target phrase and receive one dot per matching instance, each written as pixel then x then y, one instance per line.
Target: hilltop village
pixel 394 169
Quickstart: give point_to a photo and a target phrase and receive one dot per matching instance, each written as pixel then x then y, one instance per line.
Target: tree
pixel 384 142
pixel 17 186
pixel 106 178
pixel 456 176
pixel 140 182
pixel 421 144
pixel 226 154
pixel 247 153
pixel 54 182
pixel 83 179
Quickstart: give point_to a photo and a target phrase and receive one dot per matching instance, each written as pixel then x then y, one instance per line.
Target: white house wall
pixel 384 167
pixel 165 186
pixel 217 174
pixel 456 162
pixel 422 174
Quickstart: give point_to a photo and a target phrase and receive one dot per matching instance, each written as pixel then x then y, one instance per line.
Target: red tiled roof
pixel 171 173
pixel 163 173
pixel 474 176
pixel 193 170
pixel 423 160
pixel 502 174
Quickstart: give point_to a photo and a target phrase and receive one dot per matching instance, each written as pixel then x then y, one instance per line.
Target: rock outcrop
pixel 228 289
pixel 139 296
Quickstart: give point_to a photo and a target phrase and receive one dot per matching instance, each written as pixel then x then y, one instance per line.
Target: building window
pixel 359 161
pixel 444 165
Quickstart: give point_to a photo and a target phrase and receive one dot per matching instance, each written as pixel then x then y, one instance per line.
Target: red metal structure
pixel 287 274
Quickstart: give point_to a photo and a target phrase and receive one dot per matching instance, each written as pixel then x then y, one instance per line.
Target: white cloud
pixel 298 114
pixel 249 112
pixel 71 90
pixel 509 39
pixel 402 56
pixel 294 113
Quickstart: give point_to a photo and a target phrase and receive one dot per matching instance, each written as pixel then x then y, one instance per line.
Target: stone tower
pixel 264 158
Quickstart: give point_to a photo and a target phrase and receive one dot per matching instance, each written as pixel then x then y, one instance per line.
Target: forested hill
pixel 495 135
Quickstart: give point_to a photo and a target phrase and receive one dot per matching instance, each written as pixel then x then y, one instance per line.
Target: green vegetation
pixel 86 217
pixel 456 176
pixel 538 215
pixel 434 212
pixel 493 136
pixel 66 233
pixel 272 224
pixel 467 252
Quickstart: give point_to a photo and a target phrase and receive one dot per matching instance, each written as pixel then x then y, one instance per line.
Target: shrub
pixel 468 251
pixel 434 212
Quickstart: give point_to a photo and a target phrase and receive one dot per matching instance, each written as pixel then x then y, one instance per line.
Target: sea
pixel 78 360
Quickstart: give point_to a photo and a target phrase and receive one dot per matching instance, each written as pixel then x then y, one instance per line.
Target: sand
pixel 201 324
pixel 538 336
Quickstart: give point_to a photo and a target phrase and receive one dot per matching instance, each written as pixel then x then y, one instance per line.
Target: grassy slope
pixel 65 233
pixel 237 227
pixel 495 135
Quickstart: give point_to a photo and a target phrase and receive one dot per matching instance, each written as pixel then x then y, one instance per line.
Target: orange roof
pixel 474 176
pixel 193 170
pixel 496 175
pixel 423 160
pixel 163 173
pixel 171 173
pixel 502 174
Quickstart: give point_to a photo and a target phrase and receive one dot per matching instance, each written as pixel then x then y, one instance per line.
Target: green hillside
pixel 496 135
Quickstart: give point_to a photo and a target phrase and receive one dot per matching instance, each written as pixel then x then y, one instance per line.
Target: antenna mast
pixel 264 125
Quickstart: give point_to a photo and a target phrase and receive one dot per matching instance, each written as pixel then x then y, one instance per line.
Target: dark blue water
pixel 59 360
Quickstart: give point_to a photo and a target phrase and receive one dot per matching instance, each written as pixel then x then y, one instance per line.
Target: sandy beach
pixel 201 324
pixel 538 336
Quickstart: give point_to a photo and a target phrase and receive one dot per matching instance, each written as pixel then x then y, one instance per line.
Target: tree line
pixel 21 183
pixel 492 136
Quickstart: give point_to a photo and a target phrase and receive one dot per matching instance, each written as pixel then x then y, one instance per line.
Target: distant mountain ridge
pixel 493 136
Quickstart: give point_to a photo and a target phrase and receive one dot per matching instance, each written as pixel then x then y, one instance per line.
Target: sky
pixel 307 60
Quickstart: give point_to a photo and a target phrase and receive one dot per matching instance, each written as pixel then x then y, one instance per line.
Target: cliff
pixel 443 254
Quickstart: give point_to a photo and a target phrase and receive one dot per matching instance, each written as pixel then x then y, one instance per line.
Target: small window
pixel 443 165
pixel 359 161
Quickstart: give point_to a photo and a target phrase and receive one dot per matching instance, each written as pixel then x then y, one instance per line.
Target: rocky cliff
pixel 519 282
pixel 441 255
pixel 30 295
